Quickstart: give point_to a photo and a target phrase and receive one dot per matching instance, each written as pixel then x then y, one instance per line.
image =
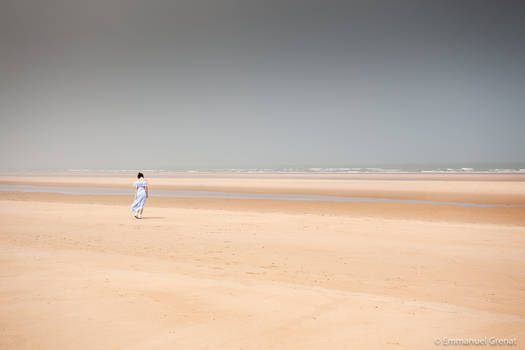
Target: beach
pixel 79 272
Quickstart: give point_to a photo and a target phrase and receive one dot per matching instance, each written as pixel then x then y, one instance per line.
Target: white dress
pixel 140 197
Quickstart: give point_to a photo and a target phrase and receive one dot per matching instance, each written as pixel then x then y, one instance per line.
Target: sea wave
pixel 321 170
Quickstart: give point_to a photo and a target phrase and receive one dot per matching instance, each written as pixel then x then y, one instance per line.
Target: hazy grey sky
pixel 193 83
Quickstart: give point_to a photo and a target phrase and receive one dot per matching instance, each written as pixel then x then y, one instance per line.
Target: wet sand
pixel 468 188
pixel 79 272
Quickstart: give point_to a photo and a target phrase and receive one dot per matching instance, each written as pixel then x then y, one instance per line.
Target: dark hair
pixel 139 175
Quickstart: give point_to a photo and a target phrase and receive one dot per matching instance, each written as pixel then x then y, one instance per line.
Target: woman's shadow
pixel 153 217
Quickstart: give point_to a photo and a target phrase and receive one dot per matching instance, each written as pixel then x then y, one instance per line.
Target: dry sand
pixel 78 272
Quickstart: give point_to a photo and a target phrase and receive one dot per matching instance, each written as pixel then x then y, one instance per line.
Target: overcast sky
pixel 125 84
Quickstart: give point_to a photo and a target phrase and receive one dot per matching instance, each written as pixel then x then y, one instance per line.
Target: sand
pixel 78 272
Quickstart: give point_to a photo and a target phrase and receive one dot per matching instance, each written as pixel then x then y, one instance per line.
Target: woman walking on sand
pixel 140 197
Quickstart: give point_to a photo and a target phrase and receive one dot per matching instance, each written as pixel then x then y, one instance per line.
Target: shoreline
pixel 494 189
pixel 387 176
pixel 513 216
pixel 73 190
